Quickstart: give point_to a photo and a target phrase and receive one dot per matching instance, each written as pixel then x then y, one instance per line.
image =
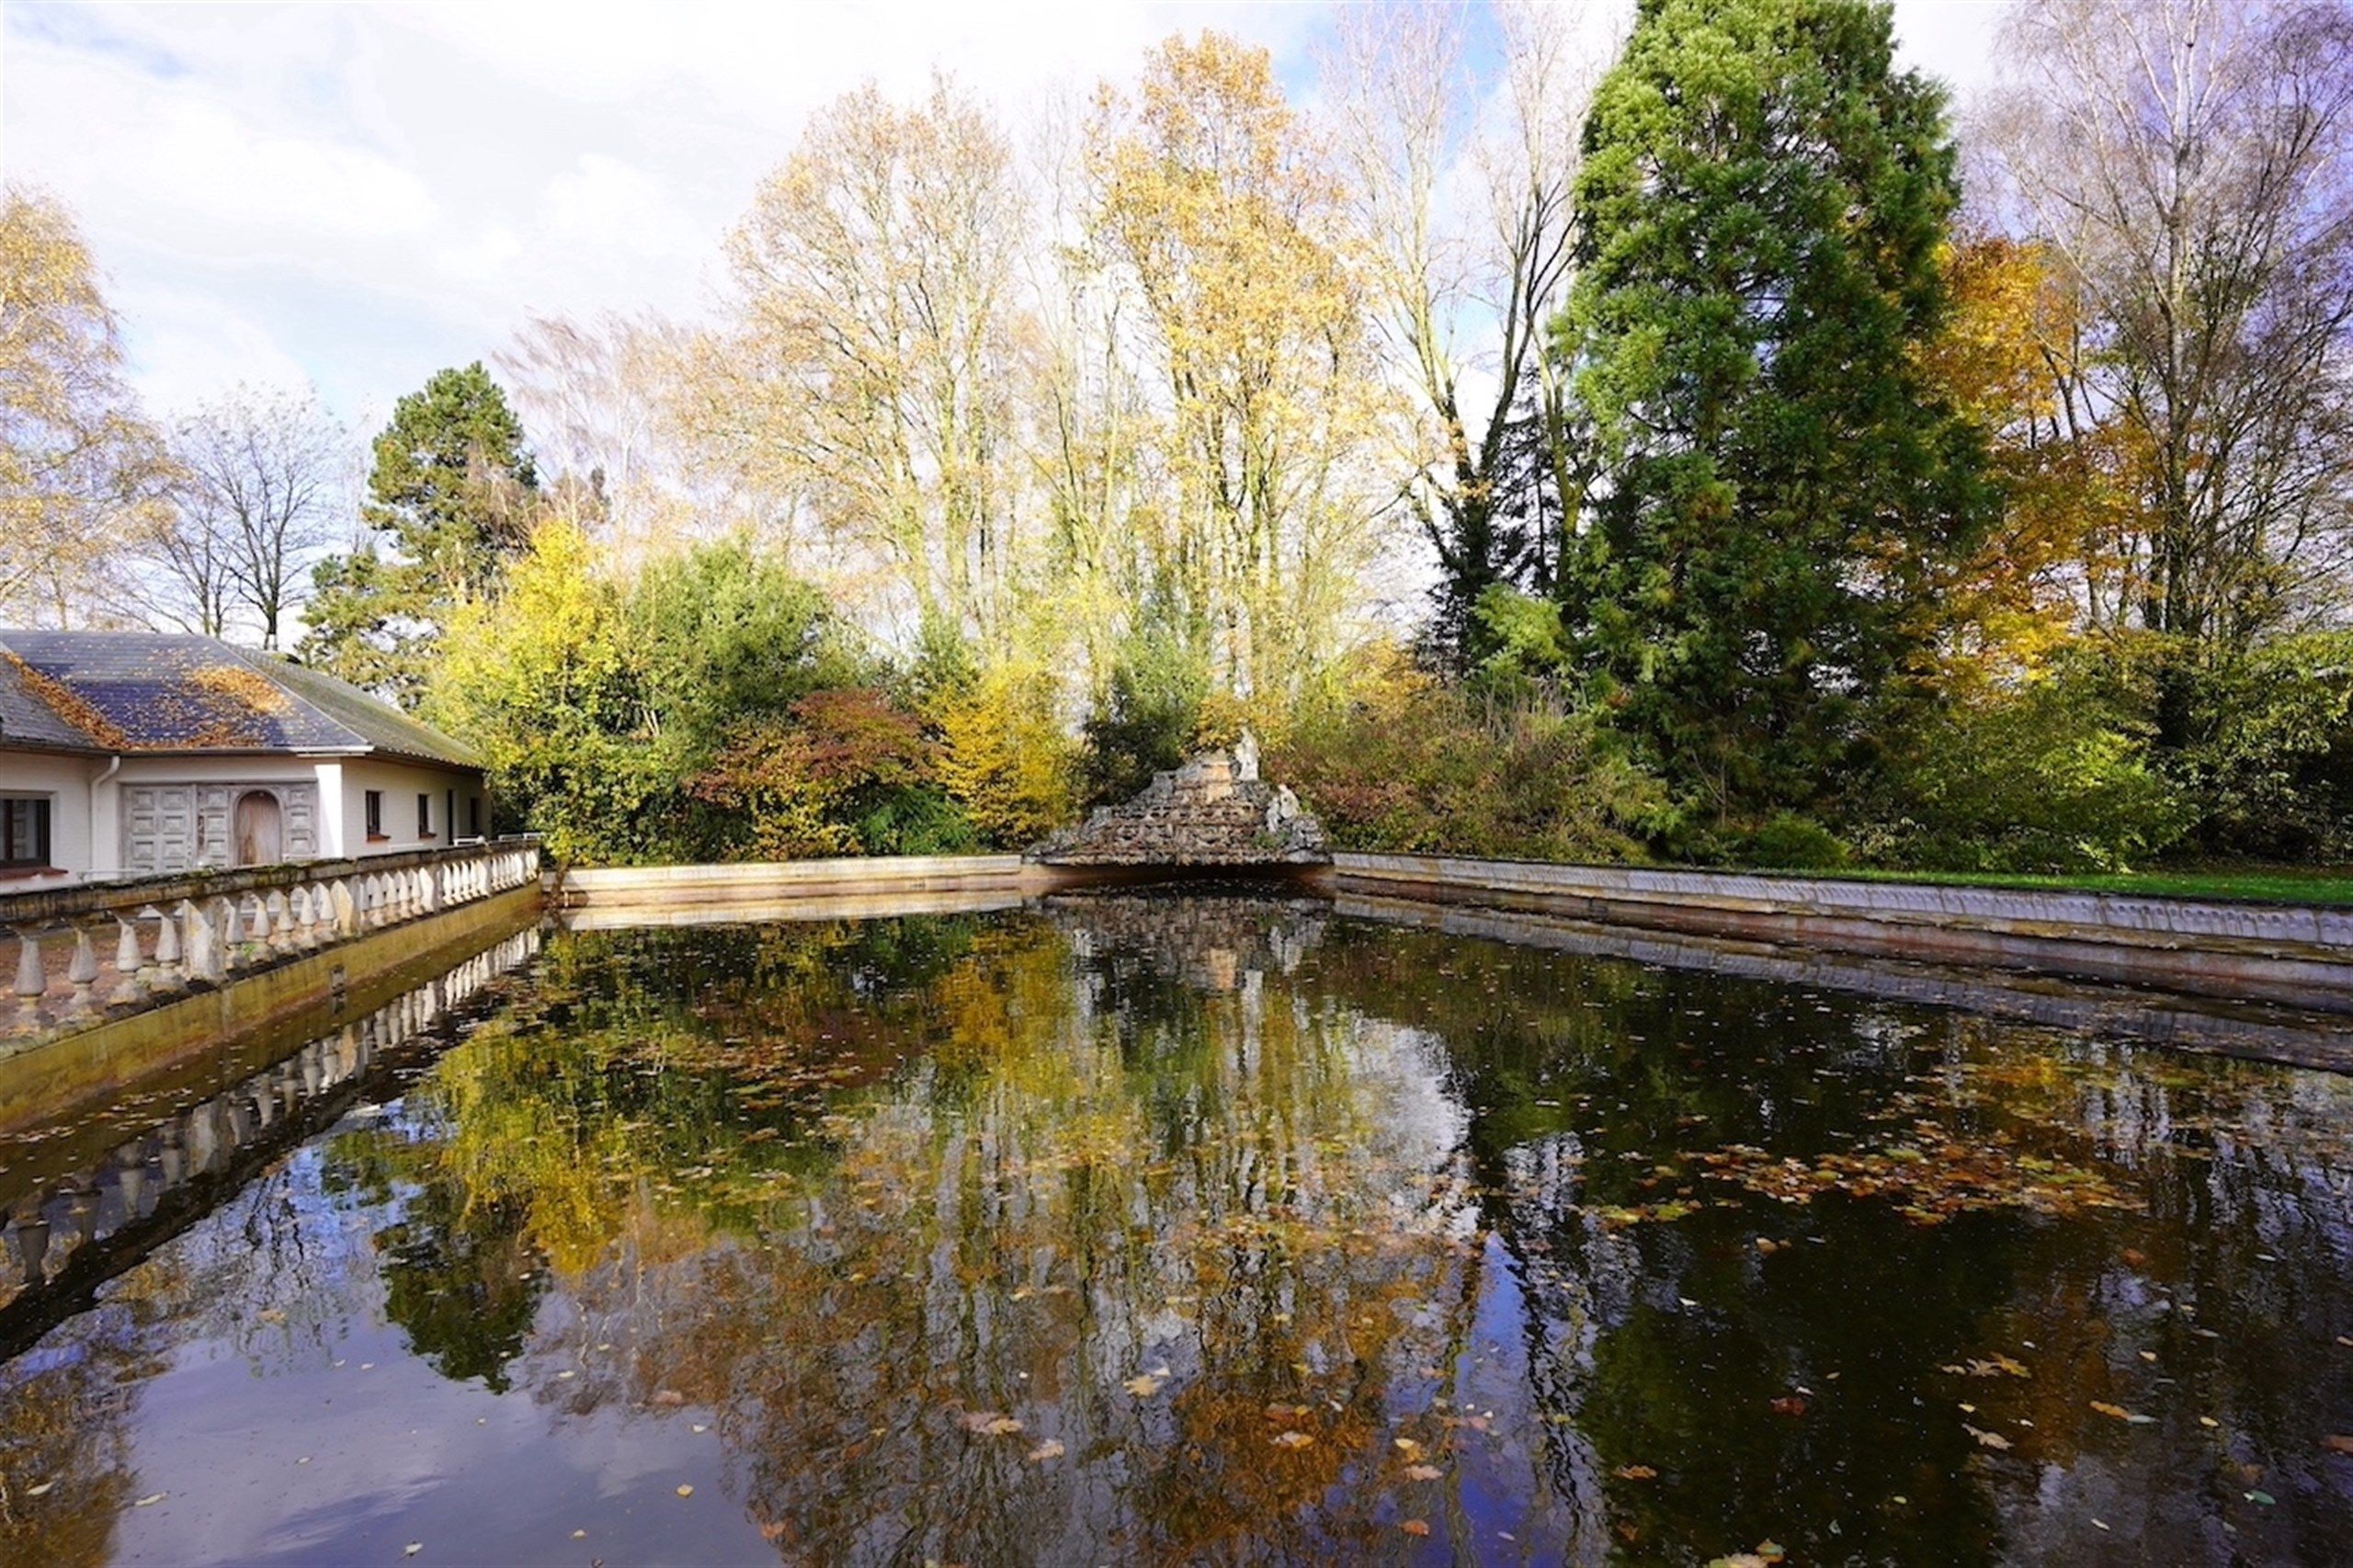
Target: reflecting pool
pixel 1155 1229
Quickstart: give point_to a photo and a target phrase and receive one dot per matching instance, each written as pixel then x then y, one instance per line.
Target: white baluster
pixel 131 973
pixel 32 977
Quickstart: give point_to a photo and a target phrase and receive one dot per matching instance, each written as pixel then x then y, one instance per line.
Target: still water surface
pixel 1155 1229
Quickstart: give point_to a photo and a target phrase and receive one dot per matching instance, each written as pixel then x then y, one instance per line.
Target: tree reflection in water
pixel 1214 1229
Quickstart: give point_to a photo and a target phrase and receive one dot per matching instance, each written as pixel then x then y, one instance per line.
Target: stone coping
pixel 856 869
pixel 2113 916
pixel 2289 955
pixel 61 903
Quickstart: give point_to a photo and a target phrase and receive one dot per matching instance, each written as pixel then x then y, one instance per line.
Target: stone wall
pixel 1214 811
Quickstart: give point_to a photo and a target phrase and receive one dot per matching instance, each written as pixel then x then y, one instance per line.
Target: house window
pixel 425 816
pixel 374 801
pixel 474 817
pixel 24 830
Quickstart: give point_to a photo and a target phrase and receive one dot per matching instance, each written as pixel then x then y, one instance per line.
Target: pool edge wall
pixel 2298 955
pixel 42 1078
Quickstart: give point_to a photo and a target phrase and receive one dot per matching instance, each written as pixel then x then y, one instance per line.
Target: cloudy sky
pixel 357 195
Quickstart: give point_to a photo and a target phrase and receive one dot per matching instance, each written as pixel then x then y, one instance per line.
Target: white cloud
pixel 185 338
pixel 364 193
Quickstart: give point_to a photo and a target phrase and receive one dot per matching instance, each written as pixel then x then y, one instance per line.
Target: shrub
pixel 2271 760
pixel 1003 755
pixel 2056 776
pixel 1413 766
pixel 1792 843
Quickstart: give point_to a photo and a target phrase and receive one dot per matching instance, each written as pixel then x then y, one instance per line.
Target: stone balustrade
pixel 92 951
pixel 62 1221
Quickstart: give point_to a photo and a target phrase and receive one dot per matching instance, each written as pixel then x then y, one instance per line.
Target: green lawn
pixel 2262 884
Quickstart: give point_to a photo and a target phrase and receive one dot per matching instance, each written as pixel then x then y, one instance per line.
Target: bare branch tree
pixel 2191 162
pixel 263 478
pixel 1462 185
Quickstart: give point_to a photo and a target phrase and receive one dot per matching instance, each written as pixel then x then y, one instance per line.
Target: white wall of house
pixel 161 811
pixel 65 782
pixel 400 784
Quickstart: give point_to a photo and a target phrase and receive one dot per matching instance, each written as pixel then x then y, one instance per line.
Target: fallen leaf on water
pixel 2337 1443
pixel 271 1315
pixel 1635 1472
pixel 1049 1450
pixel 580 1535
pixel 684 1490
pixel 669 1397
pixel 2208 1421
pixel 1293 1439
pixel 1789 1404
pixel 411 1549
pixel 1984 1438
pixel 988 1423
pixel 1414 1527
pixel 2118 1412
pixel 1421 1473
pixel 1144 1385
pixel 151 1499
pixel 41 1490
pixel 2265 1498
pixel 1407 1446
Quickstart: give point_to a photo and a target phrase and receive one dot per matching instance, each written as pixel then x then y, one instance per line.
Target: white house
pixel 128 753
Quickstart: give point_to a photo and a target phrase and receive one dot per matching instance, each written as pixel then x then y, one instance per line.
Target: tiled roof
pixel 146 692
pixel 27 718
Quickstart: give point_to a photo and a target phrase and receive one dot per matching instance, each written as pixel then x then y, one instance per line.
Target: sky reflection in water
pixel 1158 1230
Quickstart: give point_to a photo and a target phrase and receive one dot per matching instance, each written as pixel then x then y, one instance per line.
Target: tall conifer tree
pixel 1761 208
pixel 451 500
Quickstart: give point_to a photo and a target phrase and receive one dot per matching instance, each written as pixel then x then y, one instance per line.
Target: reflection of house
pixel 128 753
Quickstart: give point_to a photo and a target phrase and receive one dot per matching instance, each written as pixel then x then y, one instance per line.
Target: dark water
pixel 1144 1230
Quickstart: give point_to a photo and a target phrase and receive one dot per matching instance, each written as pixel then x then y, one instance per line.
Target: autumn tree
pixel 453 497
pixel 82 472
pixel 1223 219
pixel 1460 179
pixel 1762 205
pixel 604 402
pixel 872 367
pixel 2189 166
pixel 2013 357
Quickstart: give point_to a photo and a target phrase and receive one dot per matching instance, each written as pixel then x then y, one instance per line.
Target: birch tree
pixel 1223 217
pixel 82 471
pixel 1462 184
pixel 2188 163
pixel 874 367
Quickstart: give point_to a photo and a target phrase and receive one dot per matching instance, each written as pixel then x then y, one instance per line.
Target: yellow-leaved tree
pixel 1219 215
pixel 82 472
pixel 1005 754
pixel 2011 358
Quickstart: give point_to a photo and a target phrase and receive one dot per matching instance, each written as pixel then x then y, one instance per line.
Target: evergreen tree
pixel 452 497
pixel 1761 210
